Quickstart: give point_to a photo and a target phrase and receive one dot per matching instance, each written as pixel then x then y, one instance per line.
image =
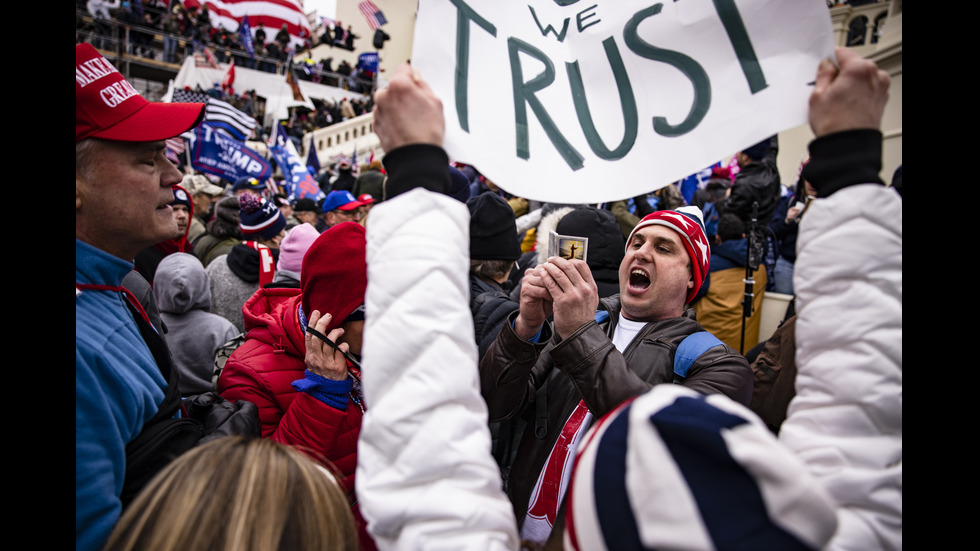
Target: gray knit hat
pixel 225 222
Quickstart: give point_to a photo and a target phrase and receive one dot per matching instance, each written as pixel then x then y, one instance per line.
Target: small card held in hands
pixel 568 246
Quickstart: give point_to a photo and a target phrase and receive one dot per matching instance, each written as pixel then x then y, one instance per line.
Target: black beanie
pixel 606 244
pixel 493 228
pixel 459 185
pixel 758 151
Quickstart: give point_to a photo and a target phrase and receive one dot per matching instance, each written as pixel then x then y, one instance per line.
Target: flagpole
pixel 188 167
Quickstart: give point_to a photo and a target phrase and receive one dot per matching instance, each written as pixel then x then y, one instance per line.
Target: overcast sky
pixel 325 8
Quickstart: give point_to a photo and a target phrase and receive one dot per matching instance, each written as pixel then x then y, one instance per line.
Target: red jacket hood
pixel 271 317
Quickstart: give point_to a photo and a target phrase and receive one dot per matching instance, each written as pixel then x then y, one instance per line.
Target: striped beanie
pixel 674 469
pixel 260 219
pixel 689 222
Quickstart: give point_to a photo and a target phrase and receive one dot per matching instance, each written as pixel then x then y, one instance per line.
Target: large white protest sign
pixel 598 100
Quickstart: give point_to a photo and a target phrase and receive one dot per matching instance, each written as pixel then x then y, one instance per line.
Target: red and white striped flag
pixel 227 85
pixel 209 56
pixel 271 13
pixel 175 148
pixel 375 18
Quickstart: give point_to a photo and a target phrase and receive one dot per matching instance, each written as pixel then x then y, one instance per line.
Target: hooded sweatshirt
pixel 146 261
pixel 234 277
pixel 194 333
pixel 606 243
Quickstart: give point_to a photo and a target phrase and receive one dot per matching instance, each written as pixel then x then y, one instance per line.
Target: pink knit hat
pixel 293 248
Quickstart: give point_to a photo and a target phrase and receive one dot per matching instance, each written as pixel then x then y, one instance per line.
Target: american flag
pixel 175 148
pixel 220 114
pixel 375 18
pixel 229 14
pixel 208 56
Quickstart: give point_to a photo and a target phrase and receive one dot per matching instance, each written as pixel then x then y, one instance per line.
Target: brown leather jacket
pixel 589 367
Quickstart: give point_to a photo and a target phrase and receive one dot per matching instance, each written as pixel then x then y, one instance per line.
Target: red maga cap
pixel 108 107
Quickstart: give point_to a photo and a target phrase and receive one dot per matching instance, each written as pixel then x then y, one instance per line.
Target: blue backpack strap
pixel 690 349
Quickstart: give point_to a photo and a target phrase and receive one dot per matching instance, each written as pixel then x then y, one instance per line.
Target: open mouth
pixel 639 280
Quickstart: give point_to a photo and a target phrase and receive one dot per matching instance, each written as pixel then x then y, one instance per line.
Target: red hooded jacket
pixel 264 367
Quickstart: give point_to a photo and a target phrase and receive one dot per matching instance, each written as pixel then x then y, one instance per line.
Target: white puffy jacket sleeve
pixel 846 419
pixel 425 476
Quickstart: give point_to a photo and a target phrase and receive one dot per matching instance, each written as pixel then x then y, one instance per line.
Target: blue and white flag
pixel 246 32
pixel 312 160
pixel 695 182
pixel 368 61
pixel 220 114
pixel 298 182
pixel 215 153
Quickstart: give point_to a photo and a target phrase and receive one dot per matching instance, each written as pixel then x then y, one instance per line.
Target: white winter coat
pixel 846 419
pixel 425 476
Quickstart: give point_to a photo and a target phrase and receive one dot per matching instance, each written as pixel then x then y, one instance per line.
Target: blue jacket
pixel 785 233
pixel 730 254
pixel 118 387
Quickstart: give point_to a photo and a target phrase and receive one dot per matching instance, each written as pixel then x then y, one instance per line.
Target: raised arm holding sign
pixel 622 496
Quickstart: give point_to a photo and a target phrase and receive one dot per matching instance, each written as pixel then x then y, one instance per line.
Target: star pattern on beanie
pixel 697 238
pixel 688 221
pixel 259 218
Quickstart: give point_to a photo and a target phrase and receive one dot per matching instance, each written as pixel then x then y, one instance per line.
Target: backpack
pixel 221 357
pixel 687 352
pixel 774 376
pixel 179 423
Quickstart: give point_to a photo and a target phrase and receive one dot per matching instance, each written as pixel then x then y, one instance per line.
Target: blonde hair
pixel 238 494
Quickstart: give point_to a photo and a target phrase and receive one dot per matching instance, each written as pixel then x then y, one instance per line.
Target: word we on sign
pixel 588 101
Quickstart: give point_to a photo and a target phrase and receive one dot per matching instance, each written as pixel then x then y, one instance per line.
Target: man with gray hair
pixel 123 192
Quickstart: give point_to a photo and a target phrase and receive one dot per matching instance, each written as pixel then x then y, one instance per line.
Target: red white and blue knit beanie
pixel 689 223
pixel 674 469
pixel 259 219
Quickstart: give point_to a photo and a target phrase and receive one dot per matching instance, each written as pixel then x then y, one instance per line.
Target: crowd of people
pixel 408 365
pixel 187 29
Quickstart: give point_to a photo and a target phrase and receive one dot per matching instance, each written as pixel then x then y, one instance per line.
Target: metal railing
pixel 125 40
